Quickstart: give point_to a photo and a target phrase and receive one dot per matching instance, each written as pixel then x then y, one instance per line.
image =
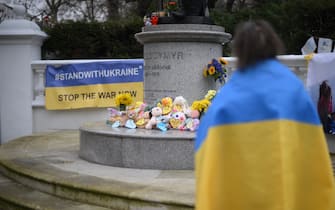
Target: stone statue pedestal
pixel 136 148
pixel 175 56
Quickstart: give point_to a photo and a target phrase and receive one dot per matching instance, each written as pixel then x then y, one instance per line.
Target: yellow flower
pixel 210 95
pixel 201 105
pixel 309 57
pixel 211 70
pixel 223 61
pixel 205 104
pixel 138 104
pixel 124 99
pixel 196 105
pixel 167 101
pixel 205 72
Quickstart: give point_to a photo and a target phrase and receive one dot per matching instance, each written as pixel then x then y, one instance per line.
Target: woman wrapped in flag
pixel 261 146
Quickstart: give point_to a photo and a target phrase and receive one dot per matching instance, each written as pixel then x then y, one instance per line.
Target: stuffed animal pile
pixel 167 113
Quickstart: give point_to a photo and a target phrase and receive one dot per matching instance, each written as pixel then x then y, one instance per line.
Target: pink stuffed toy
pixel 192 122
pixel 177 120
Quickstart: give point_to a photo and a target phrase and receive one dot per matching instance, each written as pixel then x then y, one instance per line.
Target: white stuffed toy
pixel 156 112
pixel 177 120
pixel 180 104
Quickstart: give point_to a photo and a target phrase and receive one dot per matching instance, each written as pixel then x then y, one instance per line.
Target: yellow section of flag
pixel 294 172
pixel 99 95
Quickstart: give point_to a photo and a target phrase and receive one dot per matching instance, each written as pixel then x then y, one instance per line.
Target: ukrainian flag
pixel 260 146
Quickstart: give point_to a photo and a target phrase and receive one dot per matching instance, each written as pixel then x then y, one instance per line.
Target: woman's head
pixel 255 41
pixel 325 90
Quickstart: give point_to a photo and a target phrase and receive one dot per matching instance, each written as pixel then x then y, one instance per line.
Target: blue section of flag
pixel 266 91
pixel 119 71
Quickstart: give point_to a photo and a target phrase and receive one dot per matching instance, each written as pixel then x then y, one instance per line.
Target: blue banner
pixel 108 72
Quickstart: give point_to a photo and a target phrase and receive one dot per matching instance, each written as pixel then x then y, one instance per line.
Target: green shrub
pixel 95 40
pixel 295 20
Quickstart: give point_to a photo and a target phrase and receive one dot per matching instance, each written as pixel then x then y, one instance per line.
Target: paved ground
pixel 54 157
pixel 331 143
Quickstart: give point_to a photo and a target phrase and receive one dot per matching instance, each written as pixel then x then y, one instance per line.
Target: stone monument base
pixel 137 148
pixel 175 56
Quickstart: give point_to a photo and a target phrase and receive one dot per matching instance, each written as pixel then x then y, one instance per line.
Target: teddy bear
pixel 166 105
pixel 180 104
pixel 140 107
pixel 143 119
pixel 177 120
pixel 118 120
pixel 163 122
pixel 131 117
pixel 192 122
pixel 156 112
pixel 114 116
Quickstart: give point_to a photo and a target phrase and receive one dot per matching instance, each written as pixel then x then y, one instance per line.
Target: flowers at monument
pixel 171 6
pixel 201 105
pixel 216 69
pixel 123 100
pixel 223 61
pixel 210 95
pixel 167 113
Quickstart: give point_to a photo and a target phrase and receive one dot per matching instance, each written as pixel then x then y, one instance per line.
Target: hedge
pixel 93 40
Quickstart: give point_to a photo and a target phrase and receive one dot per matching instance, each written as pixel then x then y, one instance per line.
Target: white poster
pixel 325 45
pixel 320 68
pixel 309 46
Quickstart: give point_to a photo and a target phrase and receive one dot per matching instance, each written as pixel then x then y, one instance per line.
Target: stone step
pixel 17 196
pixel 49 163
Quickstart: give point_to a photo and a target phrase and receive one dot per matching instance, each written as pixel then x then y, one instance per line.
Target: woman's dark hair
pixel 255 41
pixel 325 100
pixel 325 91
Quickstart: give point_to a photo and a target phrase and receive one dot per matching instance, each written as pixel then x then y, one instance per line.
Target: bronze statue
pixel 190 11
pixel 194 7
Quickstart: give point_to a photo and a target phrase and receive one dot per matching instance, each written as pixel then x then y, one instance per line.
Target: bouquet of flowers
pixel 201 105
pixel 216 69
pixel 172 5
pixel 123 100
pixel 210 95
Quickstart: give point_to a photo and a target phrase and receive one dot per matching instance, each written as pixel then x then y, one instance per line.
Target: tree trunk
pixel 229 5
pixel 113 9
pixel 142 7
pixel 211 4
